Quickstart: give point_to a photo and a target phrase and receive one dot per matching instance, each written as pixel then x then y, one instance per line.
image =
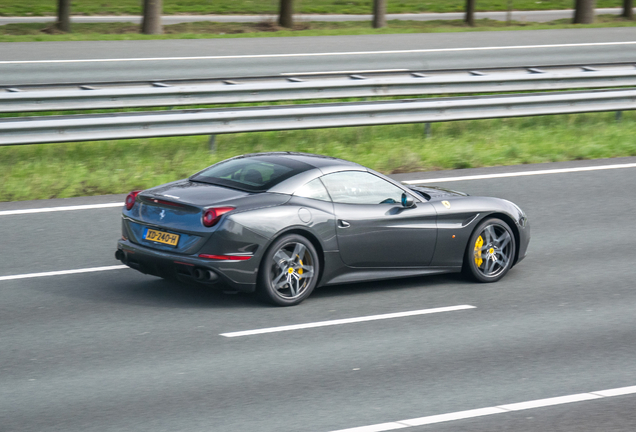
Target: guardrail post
pixel 509 13
pixel 427 130
pixel 212 143
pixel 619 115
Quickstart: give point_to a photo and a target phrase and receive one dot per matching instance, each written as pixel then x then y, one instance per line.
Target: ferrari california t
pixel 282 224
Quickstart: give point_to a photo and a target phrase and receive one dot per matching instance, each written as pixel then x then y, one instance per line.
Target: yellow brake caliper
pixel 478 244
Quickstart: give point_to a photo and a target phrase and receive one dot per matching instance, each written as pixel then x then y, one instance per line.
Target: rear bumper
pixel 239 275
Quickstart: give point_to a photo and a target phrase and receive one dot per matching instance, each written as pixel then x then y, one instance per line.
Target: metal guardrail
pixel 52 129
pixel 109 96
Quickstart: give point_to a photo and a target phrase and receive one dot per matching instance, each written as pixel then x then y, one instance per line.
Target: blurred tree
pixel 469 18
pixel 584 11
pixel 63 22
pixel 379 13
pixel 286 14
pixel 628 9
pixel 151 23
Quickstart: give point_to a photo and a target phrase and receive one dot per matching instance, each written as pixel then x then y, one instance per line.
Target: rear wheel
pixel 490 251
pixel 289 271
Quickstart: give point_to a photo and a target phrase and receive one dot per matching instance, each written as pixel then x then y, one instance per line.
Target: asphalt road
pixel 87 62
pixel 117 350
pixel 532 15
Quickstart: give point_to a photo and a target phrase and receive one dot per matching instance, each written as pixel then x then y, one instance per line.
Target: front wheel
pixel 289 271
pixel 490 251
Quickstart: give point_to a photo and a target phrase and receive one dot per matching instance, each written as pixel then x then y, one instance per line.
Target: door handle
pixel 343 223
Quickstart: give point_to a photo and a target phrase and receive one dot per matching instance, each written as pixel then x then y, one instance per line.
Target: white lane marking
pixel 253 56
pixel 376 428
pixel 440 418
pixel 522 173
pixel 460 415
pixel 549 402
pixel 58 209
pixel 616 392
pixel 344 72
pixel 62 272
pixel 346 321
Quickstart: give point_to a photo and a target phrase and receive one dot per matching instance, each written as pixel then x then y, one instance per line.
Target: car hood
pixel 434 192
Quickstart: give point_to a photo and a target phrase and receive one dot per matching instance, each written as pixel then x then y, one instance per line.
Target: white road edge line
pixel 253 56
pixel 346 321
pixel 344 72
pixel 522 173
pixel 432 180
pixel 460 415
pixel 57 209
pixel 62 272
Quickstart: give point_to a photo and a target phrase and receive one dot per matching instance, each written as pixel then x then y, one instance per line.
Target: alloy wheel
pixel 292 270
pixel 493 250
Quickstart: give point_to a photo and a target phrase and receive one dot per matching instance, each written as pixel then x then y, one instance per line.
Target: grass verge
pixel 95 168
pixel 195 7
pixel 35 32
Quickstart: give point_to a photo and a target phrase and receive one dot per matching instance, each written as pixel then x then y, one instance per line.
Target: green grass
pixel 79 169
pixel 33 32
pixel 194 7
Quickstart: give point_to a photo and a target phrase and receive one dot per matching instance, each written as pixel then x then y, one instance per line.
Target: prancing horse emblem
pixel 446 204
pixel 162 214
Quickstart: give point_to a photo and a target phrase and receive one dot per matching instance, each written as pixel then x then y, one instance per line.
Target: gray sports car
pixel 283 223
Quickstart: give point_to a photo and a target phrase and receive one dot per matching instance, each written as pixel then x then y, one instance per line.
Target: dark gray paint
pixel 373 241
pixel 386 235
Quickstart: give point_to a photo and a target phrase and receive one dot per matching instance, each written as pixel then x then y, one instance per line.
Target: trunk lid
pixel 179 205
pixel 193 193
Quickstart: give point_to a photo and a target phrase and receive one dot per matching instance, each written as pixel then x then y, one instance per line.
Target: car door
pixel 373 228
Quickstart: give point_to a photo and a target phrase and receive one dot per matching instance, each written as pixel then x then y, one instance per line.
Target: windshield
pixel 254 173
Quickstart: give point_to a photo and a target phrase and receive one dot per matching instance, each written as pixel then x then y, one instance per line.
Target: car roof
pixel 317 161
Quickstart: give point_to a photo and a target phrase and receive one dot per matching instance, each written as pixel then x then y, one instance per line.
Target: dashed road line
pixel 500 409
pixel 58 209
pixel 346 321
pixel 62 272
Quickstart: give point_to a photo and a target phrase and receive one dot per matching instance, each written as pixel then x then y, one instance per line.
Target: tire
pixel 490 251
pixel 289 271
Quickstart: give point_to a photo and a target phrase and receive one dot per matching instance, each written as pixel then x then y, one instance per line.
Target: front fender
pixel 457 217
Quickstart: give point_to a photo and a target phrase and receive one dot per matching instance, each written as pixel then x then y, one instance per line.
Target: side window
pixel 359 187
pixel 314 190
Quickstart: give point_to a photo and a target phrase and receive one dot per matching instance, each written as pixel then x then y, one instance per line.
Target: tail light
pixel 130 199
pixel 212 216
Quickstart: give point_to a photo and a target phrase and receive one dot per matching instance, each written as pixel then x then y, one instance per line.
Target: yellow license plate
pixel 161 237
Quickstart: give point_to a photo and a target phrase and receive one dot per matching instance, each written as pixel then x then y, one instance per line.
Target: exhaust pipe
pixel 120 256
pixel 198 274
pixel 204 275
pixel 211 276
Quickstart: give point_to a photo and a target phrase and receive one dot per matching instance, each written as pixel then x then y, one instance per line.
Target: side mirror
pixel 407 201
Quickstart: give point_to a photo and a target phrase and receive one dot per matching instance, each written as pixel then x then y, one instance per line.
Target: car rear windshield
pixel 253 174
